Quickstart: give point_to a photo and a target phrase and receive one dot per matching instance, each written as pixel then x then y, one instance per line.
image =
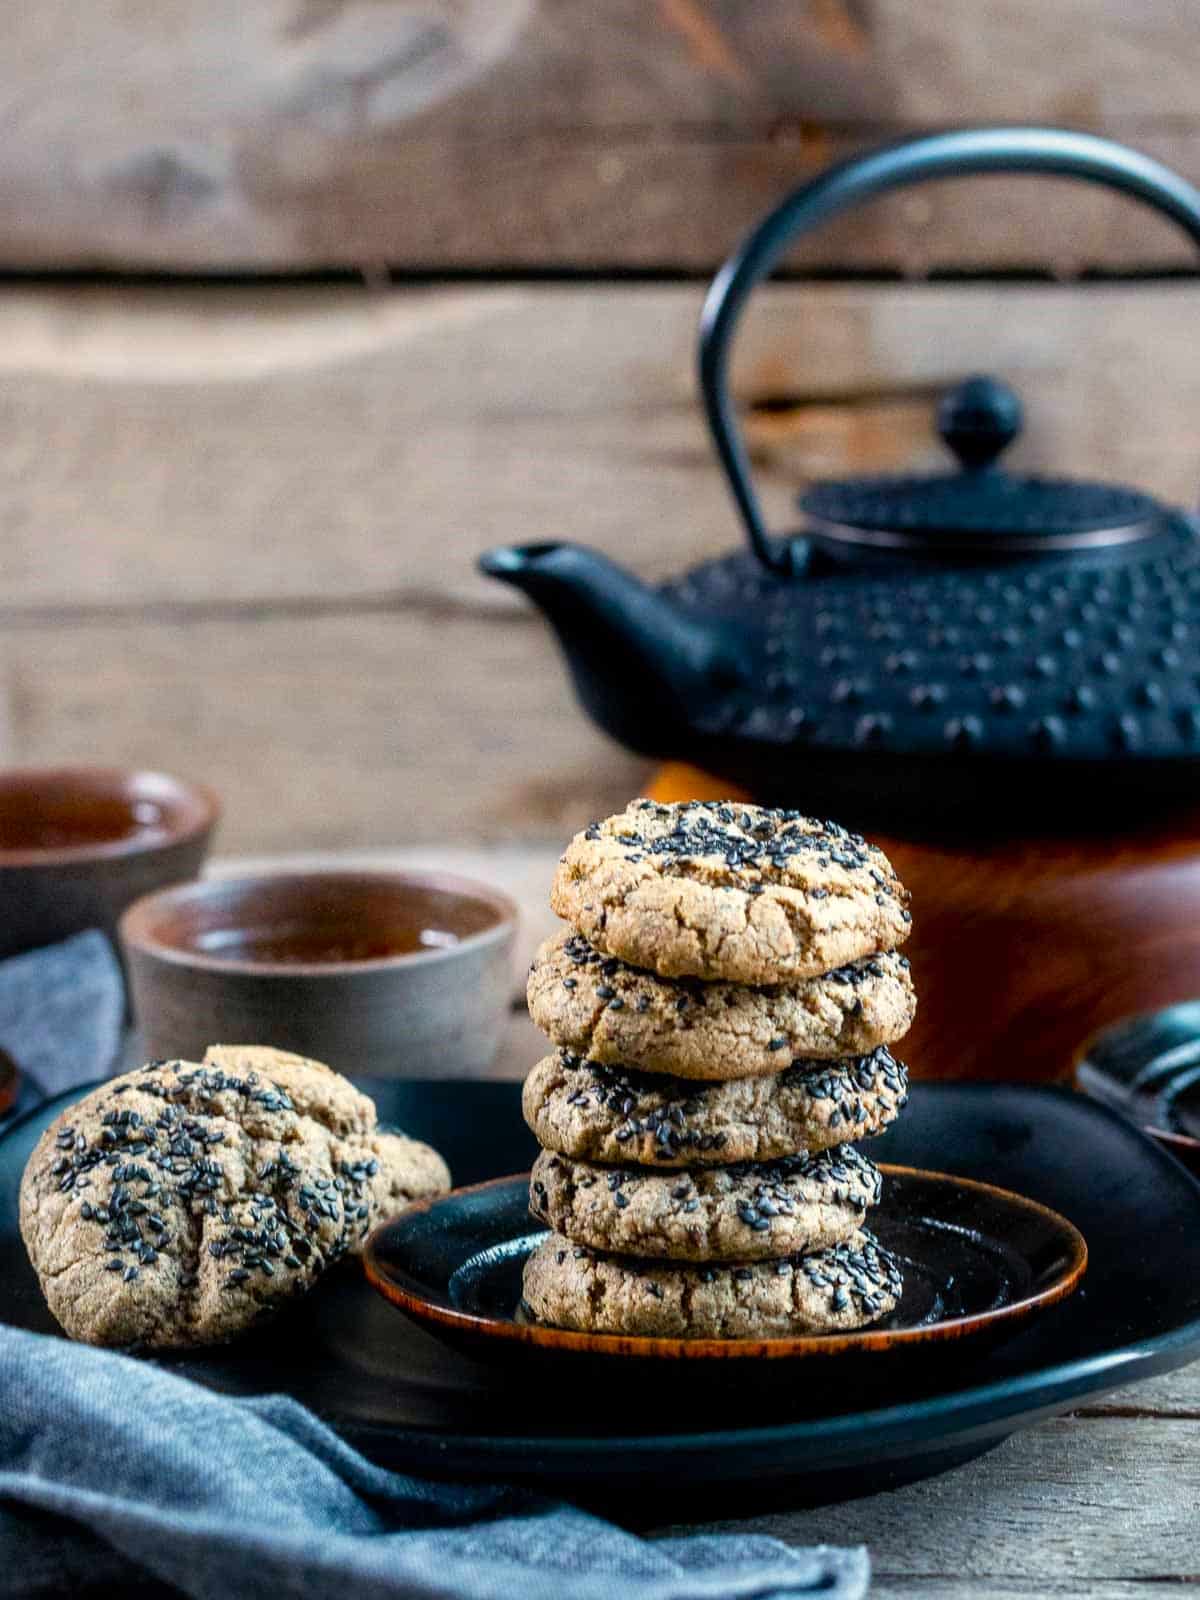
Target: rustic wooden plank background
pixel 469 133
pixel 239 521
pixel 239 525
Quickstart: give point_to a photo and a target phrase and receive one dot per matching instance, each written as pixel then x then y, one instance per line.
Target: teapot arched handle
pixel 956 153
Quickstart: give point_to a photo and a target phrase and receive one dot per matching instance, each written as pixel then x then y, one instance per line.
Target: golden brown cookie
pixel 408 1170
pixel 723 890
pixel 848 1286
pixel 178 1204
pixel 599 1006
pixel 312 1087
pixel 603 1113
pixel 744 1212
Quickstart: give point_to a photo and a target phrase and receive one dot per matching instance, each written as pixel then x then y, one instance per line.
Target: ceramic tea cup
pixel 379 974
pixel 79 844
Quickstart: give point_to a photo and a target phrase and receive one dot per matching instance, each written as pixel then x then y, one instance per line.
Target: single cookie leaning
pixel 827 1291
pixel 745 1212
pixel 178 1204
pixel 618 1114
pixel 729 891
pixel 599 1006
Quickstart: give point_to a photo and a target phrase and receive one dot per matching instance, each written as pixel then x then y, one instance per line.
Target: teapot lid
pixel 981 509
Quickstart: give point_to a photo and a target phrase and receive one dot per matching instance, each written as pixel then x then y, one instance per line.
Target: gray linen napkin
pixel 62 1010
pixel 115 1471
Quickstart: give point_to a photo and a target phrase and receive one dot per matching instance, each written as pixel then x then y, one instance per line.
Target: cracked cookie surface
pixel 407 1170
pixel 601 1007
pixel 723 890
pixel 178 1204
pixel 598 1112
pixel 847 1286
pixel 744 1212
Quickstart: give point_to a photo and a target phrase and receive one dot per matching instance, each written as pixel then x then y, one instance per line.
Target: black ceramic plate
pixel 409 1401
pixel 1148 1068
pixel 977 1261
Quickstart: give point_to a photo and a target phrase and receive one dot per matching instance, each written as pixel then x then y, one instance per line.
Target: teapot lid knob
pixel 978 419
pixel 978 509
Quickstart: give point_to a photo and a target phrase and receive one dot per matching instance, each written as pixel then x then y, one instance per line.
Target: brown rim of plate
pixel 139 930
pixel 190 809
pixel 818 1344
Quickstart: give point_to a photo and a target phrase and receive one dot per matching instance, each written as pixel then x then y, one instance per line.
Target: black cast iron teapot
pixel 967 647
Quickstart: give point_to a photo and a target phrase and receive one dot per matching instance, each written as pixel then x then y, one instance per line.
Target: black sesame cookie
pixel 827 1291
pixel 729 891
pixel 603 1113
pixel 180 1203
pixel 743 1212
pixel 599 1006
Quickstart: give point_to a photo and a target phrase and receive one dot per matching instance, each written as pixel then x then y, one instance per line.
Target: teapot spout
pixel 642 667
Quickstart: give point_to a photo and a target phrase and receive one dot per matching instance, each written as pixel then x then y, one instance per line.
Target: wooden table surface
pixel 1101 1502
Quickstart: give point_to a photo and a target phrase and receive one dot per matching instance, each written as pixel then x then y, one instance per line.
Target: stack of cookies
pixel 722 1002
